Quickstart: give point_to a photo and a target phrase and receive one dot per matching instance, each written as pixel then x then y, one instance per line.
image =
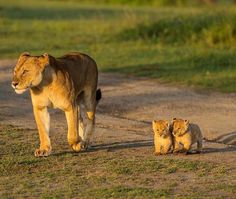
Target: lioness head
pixel 160 127
pixel 180 126
pixel 28 71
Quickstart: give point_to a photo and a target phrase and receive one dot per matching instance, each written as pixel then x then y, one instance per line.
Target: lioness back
pixel 75 64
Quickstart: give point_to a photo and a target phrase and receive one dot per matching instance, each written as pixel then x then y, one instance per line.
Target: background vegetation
pixel 173 41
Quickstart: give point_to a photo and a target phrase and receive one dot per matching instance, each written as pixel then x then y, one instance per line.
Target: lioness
pixel 185 135
pixel 162 137
pixel 65 83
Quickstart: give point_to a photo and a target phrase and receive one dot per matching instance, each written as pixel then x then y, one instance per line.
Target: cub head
pixel 28 71
pixel 179 126
pixel 160 127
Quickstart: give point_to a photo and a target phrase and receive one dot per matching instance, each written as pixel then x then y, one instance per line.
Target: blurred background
pixel 179 41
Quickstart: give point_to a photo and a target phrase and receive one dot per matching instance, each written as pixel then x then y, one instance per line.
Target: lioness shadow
pixel 122 145
pixel 140 144
pixel 113 146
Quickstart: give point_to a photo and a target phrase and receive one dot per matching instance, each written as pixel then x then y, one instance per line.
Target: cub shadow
pixel 218 150
pixel 229 138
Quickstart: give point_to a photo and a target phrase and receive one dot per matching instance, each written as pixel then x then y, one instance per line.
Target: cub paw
pixel 176 151
pixel 42 152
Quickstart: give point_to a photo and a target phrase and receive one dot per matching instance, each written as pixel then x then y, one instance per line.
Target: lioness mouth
pixel 20 91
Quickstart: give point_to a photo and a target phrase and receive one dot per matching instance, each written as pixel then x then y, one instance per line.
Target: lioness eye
pixel 25 71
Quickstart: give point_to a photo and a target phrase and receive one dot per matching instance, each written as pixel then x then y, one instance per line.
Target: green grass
pixel 101 174
pixel 193 46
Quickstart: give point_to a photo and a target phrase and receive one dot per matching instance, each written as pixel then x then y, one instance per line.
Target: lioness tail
pixel 98 95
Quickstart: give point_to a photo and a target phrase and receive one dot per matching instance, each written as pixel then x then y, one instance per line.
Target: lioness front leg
pixel 42 119
pixel 72 121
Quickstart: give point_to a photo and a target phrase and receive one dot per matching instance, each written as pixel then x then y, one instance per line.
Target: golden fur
pixel 185 135
pixel 162 137
pixel 65 83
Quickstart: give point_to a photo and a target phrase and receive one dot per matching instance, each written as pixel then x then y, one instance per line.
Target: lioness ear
pixel 23 57
pixel 25 54
pixel 44 60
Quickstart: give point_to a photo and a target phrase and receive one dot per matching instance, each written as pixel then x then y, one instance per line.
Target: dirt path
pixel 129 105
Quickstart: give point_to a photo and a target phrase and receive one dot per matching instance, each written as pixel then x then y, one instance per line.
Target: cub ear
pixel 167 124
pixel 153 122
pixel 186 122
pixel 44 60
pixel 173 120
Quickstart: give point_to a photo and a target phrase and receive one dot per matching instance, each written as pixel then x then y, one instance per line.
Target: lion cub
pixel 185 135
pixel 162 137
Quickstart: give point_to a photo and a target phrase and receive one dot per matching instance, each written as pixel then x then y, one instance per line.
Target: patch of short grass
pixel 128 192
pixel 96 174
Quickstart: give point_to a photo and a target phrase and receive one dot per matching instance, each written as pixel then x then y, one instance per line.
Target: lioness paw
pixel 42 152
pixel 76 147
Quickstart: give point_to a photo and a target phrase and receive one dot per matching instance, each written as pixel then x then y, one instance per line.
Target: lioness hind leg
pixel 80 123
pixel 90 106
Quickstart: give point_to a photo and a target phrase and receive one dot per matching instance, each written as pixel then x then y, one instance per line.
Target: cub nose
pixel 14 84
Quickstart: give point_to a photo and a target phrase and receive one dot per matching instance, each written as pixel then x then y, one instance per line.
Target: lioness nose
pixel 15 84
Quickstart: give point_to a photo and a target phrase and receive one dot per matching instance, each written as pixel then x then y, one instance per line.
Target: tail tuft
pixel 98 95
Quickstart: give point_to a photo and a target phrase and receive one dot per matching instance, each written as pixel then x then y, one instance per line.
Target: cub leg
pixel 165 149
pixel 157 149
pixel 177 147
pixel 42 119
pixel 72 121
pixel 199 146
pixel 186 148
